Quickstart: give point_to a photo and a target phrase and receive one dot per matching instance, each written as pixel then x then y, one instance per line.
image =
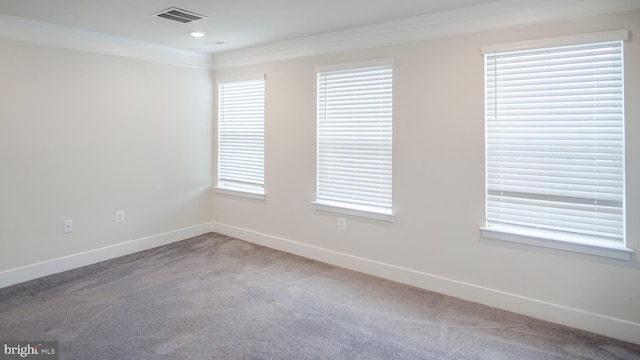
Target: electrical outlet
pixel 68 226
pixel 342 223
pixel 120 216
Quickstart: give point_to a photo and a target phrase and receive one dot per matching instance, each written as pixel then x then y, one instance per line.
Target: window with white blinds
pixel 241 135
pixel 354 132
pixel 555 142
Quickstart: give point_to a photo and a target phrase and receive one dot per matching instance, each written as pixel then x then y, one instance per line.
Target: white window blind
pixel 354 138
pixel 241 135
pixel 555 141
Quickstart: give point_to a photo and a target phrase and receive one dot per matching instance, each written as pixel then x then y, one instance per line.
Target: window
pixel 354 139
pixel 555 144
pixel 241 137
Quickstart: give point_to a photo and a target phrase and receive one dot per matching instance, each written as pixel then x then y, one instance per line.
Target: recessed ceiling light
pixel 197 34
pixel 217 43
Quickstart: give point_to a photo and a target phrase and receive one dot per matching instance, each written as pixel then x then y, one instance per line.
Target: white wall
pixel 83 135
pixel 438 185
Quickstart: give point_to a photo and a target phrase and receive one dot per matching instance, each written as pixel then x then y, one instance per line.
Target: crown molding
pixel 43 33
pixel 491 16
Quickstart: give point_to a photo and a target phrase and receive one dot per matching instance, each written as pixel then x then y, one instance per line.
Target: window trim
pixel 533 237
pixel 359 211
pixel 521 236
pixel 245 193
pixel 354 65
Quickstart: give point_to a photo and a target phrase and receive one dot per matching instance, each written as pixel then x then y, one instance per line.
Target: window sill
pixel 240 193
pixel 362 212
pixel 520 236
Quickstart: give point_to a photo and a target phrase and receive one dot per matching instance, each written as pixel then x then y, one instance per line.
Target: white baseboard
pixel 34 271
pixel 595 323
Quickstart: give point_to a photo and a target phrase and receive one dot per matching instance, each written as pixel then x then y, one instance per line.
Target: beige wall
pixel 438 177
pixel 83 135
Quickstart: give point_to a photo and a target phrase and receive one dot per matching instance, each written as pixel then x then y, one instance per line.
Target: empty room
pixel 354 179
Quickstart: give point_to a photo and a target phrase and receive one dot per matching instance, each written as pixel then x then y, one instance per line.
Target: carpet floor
pixel 216 297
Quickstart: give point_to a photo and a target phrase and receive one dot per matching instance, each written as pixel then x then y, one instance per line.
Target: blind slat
pixel 354 136
pixel 241 133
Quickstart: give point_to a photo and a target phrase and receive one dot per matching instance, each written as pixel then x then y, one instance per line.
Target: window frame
pixel 346 207
pixel 236 187
pixel 549 239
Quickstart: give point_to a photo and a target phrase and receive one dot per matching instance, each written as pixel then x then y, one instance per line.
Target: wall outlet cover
pixel 68 226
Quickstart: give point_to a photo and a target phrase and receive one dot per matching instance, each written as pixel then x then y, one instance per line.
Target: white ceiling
pixel 255 31
pixel 239 23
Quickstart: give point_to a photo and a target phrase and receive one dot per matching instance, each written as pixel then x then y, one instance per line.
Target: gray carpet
pixel 215 297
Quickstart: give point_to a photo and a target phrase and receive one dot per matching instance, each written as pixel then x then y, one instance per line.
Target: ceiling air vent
pixel 180 15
